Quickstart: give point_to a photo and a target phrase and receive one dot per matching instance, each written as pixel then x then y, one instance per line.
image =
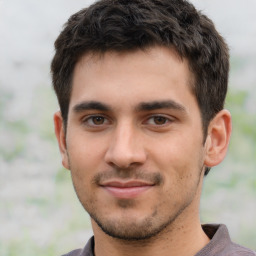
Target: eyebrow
pixel 154 105
pixel 90 105
pixel 143 106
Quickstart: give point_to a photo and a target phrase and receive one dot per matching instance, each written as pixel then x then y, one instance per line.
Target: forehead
pixel 137 76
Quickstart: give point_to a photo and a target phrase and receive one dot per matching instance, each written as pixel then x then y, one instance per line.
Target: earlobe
pixel 217 141
pixel 61 137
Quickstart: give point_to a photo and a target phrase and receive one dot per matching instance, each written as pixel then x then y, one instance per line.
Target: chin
pixel 130 228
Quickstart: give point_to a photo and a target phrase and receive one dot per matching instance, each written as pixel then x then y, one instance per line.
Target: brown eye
pixel 98 120
pixel 160 120
pixel 95 121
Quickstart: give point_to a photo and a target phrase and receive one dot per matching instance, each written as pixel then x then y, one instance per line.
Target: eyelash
pixel 90 118
pixel 166 120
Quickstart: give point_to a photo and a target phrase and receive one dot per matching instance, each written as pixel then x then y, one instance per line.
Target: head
pixel 141 87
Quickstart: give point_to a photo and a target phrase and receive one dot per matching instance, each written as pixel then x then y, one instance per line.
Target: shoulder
pixel 86 251
pixel 76 252
pixel 238 250
pixel 220 243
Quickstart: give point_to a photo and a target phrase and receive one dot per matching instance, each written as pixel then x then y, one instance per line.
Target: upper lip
pixel 126 184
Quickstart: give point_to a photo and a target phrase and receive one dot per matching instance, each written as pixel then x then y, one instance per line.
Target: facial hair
pixel 126 228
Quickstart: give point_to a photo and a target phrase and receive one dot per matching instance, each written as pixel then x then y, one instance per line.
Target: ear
pixel 218 137
pixel 61 137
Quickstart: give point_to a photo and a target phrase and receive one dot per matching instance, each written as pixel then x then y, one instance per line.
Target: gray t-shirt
pixel 220 244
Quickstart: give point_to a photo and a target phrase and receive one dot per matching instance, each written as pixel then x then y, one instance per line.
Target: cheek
pixel 179 160
pixel 84 150
pixel 85 159
pixel 171 153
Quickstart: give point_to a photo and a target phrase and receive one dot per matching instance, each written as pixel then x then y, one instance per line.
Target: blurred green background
pixel 39 211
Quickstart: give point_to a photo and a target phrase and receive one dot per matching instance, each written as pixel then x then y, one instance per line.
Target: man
pixel 141 86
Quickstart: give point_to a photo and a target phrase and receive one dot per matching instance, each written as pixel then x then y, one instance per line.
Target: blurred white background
pixel 39 212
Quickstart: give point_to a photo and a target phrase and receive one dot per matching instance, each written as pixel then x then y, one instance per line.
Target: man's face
pixel 134 141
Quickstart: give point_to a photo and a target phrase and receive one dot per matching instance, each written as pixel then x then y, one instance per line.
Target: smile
pixel 126 190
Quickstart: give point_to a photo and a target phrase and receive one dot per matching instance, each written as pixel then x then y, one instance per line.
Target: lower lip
pixel 127 192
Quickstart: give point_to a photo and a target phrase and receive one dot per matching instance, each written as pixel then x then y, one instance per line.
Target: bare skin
pixel 135 148
pixel 183 239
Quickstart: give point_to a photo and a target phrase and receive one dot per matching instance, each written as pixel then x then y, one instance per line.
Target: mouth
pixel 126 190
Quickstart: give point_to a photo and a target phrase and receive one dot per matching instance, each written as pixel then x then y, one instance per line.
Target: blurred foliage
pixel 10 129
pixel 244 127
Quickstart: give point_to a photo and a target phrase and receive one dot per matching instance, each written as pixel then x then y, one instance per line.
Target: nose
pixel 125 149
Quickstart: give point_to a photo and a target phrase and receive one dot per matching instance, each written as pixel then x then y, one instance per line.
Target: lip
pixel 126 190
